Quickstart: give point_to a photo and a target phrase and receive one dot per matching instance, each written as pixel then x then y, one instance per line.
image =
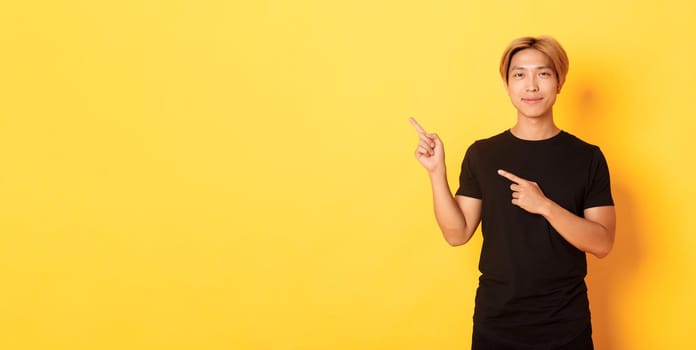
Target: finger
pixel 427 139
pixel 422 151
pixel 510 176
pixel 435 139
pixel 515 195
pixel 426 144
pixel 416 125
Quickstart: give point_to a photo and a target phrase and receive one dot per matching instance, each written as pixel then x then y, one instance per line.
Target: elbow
pixel 601 254
pixel 455 242
pixel 456 238
pixel 604 246
pixel 603 251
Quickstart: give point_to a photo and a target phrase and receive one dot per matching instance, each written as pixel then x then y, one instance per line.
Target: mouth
pixel 532 100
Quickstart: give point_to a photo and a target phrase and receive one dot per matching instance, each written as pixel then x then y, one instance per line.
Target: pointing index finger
pixel 510 176
pixel 416 125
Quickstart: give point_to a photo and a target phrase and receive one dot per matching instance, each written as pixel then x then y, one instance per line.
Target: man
pixel 544 200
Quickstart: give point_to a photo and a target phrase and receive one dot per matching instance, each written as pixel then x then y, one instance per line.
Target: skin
pixel 532 87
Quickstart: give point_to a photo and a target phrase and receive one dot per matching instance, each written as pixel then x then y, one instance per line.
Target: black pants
pixel 581 342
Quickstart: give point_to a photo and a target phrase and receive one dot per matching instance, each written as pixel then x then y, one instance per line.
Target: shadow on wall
pixel 607 278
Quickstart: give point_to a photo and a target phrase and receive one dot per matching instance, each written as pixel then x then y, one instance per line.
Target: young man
pixel 544 200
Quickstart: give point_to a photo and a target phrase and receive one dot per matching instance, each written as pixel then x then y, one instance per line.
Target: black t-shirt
pixel 532 288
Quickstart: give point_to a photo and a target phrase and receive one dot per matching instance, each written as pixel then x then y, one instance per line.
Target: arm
pixel 458 218
pixel 592 234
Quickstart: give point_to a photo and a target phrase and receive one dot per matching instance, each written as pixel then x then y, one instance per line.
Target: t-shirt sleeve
pixel 599 189
pixel 468 185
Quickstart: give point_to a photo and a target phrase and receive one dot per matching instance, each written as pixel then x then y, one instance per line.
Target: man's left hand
pixel 526 194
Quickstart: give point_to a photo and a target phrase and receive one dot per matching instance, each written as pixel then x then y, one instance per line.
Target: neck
pixel 533 129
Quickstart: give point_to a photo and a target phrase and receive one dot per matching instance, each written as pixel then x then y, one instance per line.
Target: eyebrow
pixel 528 67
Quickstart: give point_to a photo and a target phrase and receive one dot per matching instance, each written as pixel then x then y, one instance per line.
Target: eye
pixel 517 75
pixel 545 74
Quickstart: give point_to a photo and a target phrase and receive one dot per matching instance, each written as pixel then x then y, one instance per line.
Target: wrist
pixel 438 172
pixel 546 209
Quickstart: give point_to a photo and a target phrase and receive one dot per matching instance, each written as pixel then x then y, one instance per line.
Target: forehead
pixel 530 58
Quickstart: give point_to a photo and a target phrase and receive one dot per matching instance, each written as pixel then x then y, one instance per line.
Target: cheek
pixel 551 89
pixel 513 90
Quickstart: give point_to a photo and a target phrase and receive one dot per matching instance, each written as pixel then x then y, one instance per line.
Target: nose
pixel 531 83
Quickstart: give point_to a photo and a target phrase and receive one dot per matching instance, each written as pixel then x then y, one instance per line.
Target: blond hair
pixel 544 44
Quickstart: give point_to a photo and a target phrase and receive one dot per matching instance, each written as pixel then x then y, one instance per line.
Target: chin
pixel 532 114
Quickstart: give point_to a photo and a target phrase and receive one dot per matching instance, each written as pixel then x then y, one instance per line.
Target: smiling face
pixel 532 84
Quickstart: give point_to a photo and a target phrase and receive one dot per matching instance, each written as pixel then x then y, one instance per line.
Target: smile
pixel 532 100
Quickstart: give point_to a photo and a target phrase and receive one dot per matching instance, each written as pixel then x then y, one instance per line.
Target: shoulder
pixel 578 144
pixel 491 142
pixel 482 148
pixel 585 152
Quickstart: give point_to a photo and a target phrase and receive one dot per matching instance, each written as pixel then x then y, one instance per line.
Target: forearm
pixel 448 213
pixel 586 235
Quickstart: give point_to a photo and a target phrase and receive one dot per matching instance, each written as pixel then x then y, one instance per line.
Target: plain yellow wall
pixel 240 175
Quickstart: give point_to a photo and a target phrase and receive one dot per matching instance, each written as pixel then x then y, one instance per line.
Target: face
pixel 532 84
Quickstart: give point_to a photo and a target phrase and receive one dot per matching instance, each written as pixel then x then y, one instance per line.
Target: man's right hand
pixel 430 152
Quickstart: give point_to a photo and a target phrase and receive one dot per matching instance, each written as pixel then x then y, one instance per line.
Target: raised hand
pixel 430 151
pixel 526 194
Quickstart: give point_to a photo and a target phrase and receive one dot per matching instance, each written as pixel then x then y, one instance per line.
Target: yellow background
pixel 240 175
